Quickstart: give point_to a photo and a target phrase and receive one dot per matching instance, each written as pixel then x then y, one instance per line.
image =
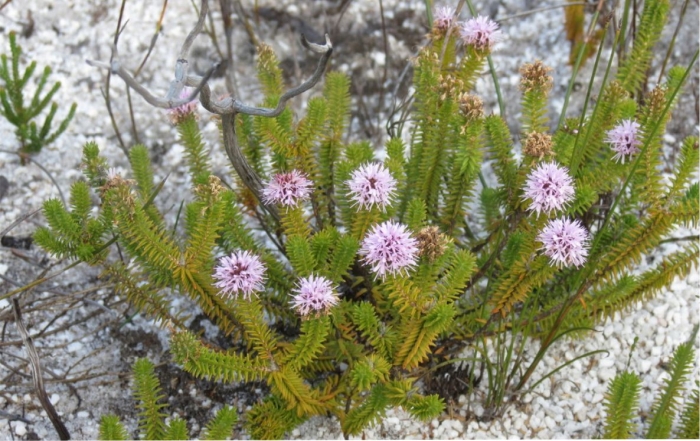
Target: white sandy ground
pixel 569 405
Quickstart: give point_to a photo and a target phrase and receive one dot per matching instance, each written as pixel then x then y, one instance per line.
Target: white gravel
pixel 569 405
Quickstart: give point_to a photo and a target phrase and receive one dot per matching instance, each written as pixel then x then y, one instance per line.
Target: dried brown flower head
pixel 535 76
pixel 656 99
pixel 113 179
pixel 471 106
pixel 538 144
pixel 213 187
pixel 431 243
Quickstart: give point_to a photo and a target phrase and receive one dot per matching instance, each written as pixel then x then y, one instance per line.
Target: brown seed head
pixel 538 144
pixel 535 76
pixel 656 99
pixel 212 188
pixel 471 106
pixel 431 243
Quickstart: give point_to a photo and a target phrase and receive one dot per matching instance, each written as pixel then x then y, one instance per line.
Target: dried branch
pixel 227 107
pixel 36 374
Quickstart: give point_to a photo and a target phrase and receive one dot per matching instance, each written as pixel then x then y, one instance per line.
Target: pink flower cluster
pixel 178 113
pixel 444 17
pixel 372 184
pixel 389 249
pixel 549 187
pixel 240 273
pixel 480 32
pixel 565 242
pixel 623 140
pixel 314 295
pixel 287 188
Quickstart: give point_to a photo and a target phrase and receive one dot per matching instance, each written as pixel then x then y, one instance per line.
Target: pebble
pixel 549 422
pixel 20 428
pixel 659 340
pixel 607 362
pixel 439 431
pixel 517 424
pixel 643 366
pixel 606 374
pixel 55 398
pixel 74 347
pixel 660 310
pixel 608 331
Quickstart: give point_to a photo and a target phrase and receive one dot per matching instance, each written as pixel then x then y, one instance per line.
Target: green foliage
pixel 621 404
pixel 367 413
pixel 481 278
pixel 23 115
pixel 425 408
pixel 221 426
pixel 271 419
pixel 147 391
pixel 632 72
pixel 690 418
pixel 75 233
pixel 668 404
pixel 195 150
pixel 112 429
pixel 623 395
pixel 177 429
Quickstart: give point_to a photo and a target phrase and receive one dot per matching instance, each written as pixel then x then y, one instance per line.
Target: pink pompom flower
pixel 179 113
pixel 480 32
pixel 314 294
pixel 565 242
pixel 287 188
pixel 623 140
pixel 550 188
pixel 443 18
pixel 241 273
pixel 389 248
pixel 372 184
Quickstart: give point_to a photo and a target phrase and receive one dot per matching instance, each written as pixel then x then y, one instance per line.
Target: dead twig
pixel 105 91
pixel 36 374
pixel 19 221
pixel 227 107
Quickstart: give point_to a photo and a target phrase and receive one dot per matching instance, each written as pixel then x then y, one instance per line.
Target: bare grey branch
pixel 326 50
pixel 226 107
pixel 185 50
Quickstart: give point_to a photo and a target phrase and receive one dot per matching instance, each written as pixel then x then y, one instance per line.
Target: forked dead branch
pixel 227 107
